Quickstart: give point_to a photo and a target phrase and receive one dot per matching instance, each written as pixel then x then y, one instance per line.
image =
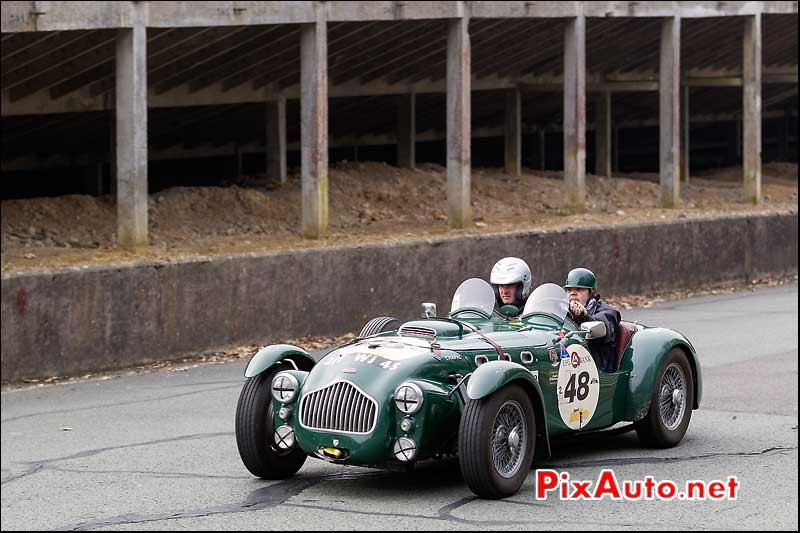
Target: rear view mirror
pixel 595 329
pixel 428 310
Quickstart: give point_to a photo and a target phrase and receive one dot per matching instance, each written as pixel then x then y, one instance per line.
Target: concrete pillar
pixel 669 112
pixel 575 113
pixel 685 134
pixel 275 138
pixel 542 152
pixel 314 127
pixel 131 131
pixel 406 131
pixel 458 123
pixel 513 133
pixel 603 136
pixel 751 109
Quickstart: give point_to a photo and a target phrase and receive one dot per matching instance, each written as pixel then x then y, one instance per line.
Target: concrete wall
pixel 73 320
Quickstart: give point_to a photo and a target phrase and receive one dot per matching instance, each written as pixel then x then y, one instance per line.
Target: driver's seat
pixel 625 333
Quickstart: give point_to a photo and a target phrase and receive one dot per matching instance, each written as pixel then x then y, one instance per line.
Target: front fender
pixel 650 347
pixel 494 375
pixel 267 356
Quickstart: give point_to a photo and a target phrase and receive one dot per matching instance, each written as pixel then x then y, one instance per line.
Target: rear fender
pixel 649 348
pixel 268 356
pixel 494 375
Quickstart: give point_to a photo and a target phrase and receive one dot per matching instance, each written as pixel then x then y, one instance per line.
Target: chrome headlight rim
pixel 403 403
pixel 285 387
pixel 405 449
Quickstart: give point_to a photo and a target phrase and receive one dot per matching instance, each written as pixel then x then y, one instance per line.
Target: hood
pixel 378 365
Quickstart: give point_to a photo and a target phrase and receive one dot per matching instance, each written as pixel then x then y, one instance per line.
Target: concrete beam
pixel 751 106
pixel 513 132
pixel 669 112
pixel 19 16
pixel 603 136
pixel 314 127
pixel 575 113
pixel 685 120
pixel 406 130
pixel 131 136
pixel 458 123
pixel 275 138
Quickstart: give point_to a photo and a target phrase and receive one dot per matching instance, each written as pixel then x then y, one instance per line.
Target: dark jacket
pixel 604 349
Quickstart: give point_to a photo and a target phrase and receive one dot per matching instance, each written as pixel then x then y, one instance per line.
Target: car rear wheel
pixel 671 404
pixel 496 442
pixel 255 434
pixel 377 325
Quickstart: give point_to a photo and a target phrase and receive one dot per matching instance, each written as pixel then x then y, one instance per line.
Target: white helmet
pixel 511 270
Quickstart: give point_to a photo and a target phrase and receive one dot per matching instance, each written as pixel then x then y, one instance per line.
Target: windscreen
pixel 474 293
pixel 547 298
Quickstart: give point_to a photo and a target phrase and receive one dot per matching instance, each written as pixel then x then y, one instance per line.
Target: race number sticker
pixel 578 387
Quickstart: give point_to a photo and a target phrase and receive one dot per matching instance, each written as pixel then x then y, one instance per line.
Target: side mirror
pixel 510 310
pixel 428 310
pixel 594 329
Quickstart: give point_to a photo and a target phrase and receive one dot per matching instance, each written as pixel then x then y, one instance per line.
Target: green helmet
pixel 581 278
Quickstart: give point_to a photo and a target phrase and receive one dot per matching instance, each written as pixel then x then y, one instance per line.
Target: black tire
pixel 665 424
pixel 380 324
pixel 479 467
pixel 255 434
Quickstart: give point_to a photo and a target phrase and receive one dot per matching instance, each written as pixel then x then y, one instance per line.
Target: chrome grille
pixel 416 331
pixel 340 407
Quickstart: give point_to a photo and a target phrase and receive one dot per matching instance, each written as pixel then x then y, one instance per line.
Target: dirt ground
pixel 368 202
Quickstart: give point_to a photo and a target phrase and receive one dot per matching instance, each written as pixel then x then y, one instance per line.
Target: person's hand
pixel 576 308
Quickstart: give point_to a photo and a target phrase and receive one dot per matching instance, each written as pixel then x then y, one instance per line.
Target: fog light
pixel 407 425
pixel 405 449
pixel 284 437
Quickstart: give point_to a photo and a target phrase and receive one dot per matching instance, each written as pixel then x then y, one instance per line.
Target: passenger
pixel 511 281
pixel 585 305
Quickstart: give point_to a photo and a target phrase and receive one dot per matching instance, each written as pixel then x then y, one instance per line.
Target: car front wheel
pixel 671 404
pixel 496 442
pixel 255 433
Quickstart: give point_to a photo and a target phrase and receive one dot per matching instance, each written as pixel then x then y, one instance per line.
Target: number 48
pixel 583 387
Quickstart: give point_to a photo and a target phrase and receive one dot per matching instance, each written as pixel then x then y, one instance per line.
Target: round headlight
pixel 284 437
pixel 405 449
pixel 408 398
pixel 284 387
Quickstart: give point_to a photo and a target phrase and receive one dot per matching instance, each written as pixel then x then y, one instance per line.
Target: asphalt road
pixel 157 451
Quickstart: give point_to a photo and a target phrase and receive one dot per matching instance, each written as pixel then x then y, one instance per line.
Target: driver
pixel 585 305
pixel 511 281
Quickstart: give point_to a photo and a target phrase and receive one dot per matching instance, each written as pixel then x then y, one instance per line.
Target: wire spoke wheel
pixel 508 439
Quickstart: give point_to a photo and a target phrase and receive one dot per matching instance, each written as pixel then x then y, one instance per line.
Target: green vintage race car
pixel 492 389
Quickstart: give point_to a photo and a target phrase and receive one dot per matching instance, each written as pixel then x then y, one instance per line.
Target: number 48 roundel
pixel 578 387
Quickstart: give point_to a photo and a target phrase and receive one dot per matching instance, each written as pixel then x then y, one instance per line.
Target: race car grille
pixel 339 407
pixel 416 331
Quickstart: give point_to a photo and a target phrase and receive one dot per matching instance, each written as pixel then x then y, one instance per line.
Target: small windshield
pixel 474 293
pixel 548 298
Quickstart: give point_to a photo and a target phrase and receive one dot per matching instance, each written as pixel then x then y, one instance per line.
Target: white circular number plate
pixel 578 387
